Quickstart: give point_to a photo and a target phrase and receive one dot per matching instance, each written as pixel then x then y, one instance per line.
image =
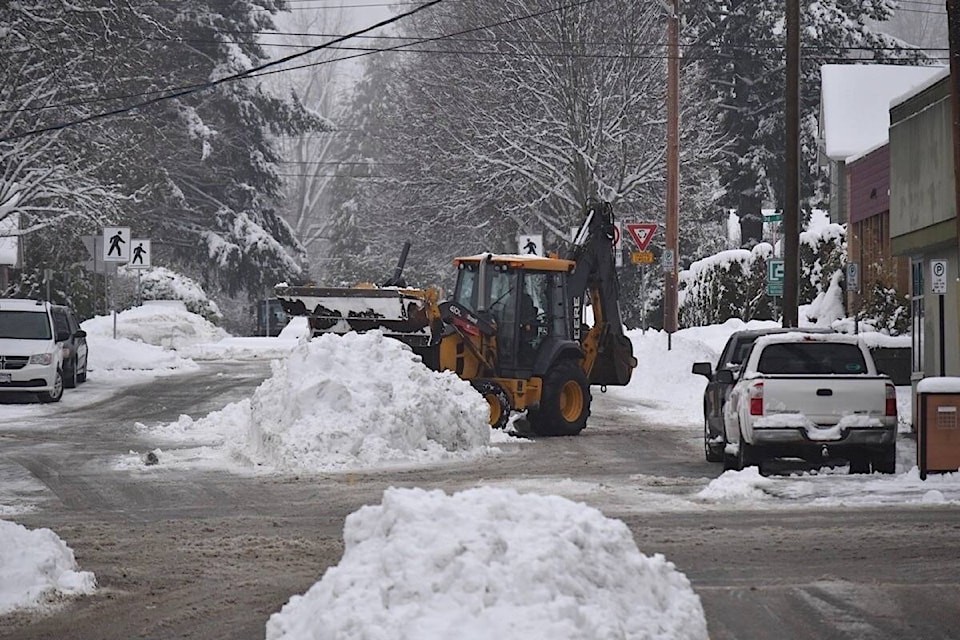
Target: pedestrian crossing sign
pixel 139 254
pixel 116 244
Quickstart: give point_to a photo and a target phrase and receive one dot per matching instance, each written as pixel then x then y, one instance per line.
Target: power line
pixel 253 73
pixel 163 94
pixel 238 76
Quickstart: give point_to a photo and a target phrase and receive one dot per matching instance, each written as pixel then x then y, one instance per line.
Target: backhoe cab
pixel 513 326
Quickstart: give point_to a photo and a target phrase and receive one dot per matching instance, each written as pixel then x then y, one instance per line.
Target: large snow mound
pixel 491 563
pixel 345 402
pixel 162 323
pixel 330 403
pixel 36 566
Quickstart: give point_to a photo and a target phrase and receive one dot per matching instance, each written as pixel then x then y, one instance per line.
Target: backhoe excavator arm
pixel 608 358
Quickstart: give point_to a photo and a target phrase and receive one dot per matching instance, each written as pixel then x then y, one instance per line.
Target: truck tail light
pixel 756 399
pixel 891 406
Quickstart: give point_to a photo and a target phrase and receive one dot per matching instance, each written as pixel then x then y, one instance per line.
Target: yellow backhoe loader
pixel 513 326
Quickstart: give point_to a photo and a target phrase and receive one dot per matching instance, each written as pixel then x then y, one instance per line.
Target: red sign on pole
pixel 642 233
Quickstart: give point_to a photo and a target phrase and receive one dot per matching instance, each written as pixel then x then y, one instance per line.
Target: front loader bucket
pixel 407 314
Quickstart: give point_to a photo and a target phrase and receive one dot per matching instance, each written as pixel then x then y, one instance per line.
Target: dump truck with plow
pixel 514 325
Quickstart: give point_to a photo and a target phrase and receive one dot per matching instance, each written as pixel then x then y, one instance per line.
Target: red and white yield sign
pixel 642 233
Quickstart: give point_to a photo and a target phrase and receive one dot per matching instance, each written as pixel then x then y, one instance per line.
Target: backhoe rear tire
pixel 564 403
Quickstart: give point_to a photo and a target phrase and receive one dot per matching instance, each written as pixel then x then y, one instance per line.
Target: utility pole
pixel 791 208
pixel 671 260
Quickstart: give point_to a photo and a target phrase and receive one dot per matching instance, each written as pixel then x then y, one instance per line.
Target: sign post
pixel 938 286
pixel 853 286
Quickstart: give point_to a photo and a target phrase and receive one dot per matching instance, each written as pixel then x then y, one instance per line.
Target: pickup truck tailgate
pixel 825 400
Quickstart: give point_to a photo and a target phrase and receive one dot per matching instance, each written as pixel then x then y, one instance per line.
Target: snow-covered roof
pixel 914 90
pixel 855 103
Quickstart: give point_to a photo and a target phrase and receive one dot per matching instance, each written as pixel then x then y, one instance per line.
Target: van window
pixel 60 323
pixel 24 325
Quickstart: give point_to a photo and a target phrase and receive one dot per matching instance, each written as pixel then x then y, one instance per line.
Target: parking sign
pixel 938 280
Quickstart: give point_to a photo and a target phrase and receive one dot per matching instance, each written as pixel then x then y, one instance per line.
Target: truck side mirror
pixel 703 369
pixel 725 376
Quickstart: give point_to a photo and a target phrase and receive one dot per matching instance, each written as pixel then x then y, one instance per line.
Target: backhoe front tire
pixel 498 400
pixel 564 403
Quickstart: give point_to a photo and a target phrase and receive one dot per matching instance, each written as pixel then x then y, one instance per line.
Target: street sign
pixel 94 246
pixel 775 217
pixel 530 244
pixel 775 278
pixel 139 254
pixel 775 271
pixel 666 260
pixel 116 244
pixel 641 257
pixel 853 276
pixel 938 280
pixel 642 233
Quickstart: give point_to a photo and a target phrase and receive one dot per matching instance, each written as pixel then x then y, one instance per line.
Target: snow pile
pixel 36 566
pixel 351 401
pixel 491 563
pixel 162 284
pixel 736 486
pixel 104 354
pixel 163 323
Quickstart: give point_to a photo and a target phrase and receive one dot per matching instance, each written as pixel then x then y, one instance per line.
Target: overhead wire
pixel 252 72
pixel 405 47
pixel 257 71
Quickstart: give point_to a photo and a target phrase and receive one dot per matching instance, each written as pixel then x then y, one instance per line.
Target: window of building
pixel 916 298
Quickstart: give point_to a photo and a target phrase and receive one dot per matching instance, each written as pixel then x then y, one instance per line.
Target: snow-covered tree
pixel 740 44
pixel 196 173
pixel 314 160
pixel 514 122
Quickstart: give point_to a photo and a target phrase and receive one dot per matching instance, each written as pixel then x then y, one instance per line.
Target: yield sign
pixel 642 233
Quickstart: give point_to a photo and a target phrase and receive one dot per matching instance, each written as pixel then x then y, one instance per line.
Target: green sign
pixel 774 218
pixel 775 278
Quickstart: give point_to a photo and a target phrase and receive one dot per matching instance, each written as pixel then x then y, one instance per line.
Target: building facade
pixel 923 222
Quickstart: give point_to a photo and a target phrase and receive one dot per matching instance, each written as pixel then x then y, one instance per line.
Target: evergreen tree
pixel 196 173
pixel 740 44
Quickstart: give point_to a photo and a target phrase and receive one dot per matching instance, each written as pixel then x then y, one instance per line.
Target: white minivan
pixel 31 351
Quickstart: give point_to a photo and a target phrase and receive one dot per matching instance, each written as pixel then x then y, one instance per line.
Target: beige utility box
pixel 938 438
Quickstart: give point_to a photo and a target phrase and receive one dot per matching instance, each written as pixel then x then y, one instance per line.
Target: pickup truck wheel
pixel 54 394
pixel 886 460
pixel 564 403
pixel 712 451
pixel 498 401
pixel 746 455
pixel 859 463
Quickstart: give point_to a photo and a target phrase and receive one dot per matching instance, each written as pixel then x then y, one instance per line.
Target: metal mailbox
pixel 938 438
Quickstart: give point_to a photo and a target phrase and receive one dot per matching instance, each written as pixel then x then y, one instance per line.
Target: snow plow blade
pixel 411 315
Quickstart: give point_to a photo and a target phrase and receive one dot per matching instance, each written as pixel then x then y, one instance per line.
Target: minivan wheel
pixel 70 376
pixel 54 394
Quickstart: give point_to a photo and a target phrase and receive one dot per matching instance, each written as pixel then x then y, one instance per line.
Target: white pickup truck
pixel 812 396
